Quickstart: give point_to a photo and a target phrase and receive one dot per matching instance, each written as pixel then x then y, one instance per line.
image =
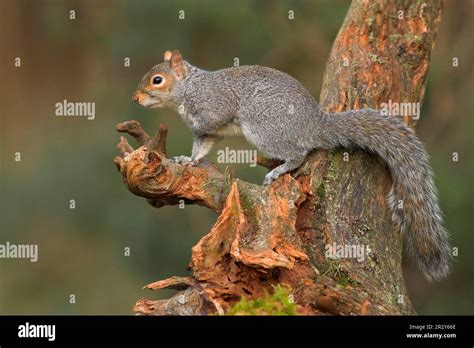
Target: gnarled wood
pixel 280 233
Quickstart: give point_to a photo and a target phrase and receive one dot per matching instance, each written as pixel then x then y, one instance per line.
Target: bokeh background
pixel 81 251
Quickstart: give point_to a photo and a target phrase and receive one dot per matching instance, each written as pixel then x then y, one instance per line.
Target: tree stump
pixel 279 234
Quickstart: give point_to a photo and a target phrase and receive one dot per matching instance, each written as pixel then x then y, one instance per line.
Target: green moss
pixel 394 37
pixel 332 173
pixel 278 303
pixel 336 271
pixel 321 190
pixel 376 58
pixel 245 202
pixel 333 168
pixel 344 280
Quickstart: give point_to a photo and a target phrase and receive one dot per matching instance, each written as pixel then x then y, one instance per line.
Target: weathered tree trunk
pixel 279 233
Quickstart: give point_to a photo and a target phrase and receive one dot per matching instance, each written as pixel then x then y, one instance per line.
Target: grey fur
pixel 274 112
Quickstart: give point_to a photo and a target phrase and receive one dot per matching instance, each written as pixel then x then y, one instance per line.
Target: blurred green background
pixel 81 251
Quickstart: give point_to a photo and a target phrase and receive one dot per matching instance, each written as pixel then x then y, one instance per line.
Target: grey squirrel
pixel 274 112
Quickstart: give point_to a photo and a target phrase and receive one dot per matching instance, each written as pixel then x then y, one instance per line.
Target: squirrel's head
pixel 156 87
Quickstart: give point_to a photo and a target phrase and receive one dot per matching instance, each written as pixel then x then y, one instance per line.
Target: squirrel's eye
pixel 157 80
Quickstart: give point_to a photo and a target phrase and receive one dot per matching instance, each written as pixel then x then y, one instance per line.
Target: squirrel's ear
pixel 167 56
pixel 177 64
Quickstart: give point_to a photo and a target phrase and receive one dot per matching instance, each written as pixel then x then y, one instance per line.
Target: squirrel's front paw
pixel 185 161
pixel 181 159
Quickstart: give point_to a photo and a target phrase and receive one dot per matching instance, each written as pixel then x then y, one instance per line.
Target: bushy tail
pixel 413 197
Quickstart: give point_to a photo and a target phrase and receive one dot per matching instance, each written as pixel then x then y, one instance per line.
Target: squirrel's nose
pixel 135 97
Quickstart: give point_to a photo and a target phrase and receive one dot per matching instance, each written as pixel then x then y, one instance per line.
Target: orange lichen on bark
pixel 262 245
pixel 234 253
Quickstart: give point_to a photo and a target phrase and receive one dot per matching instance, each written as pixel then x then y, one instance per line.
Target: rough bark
pixel 278 233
